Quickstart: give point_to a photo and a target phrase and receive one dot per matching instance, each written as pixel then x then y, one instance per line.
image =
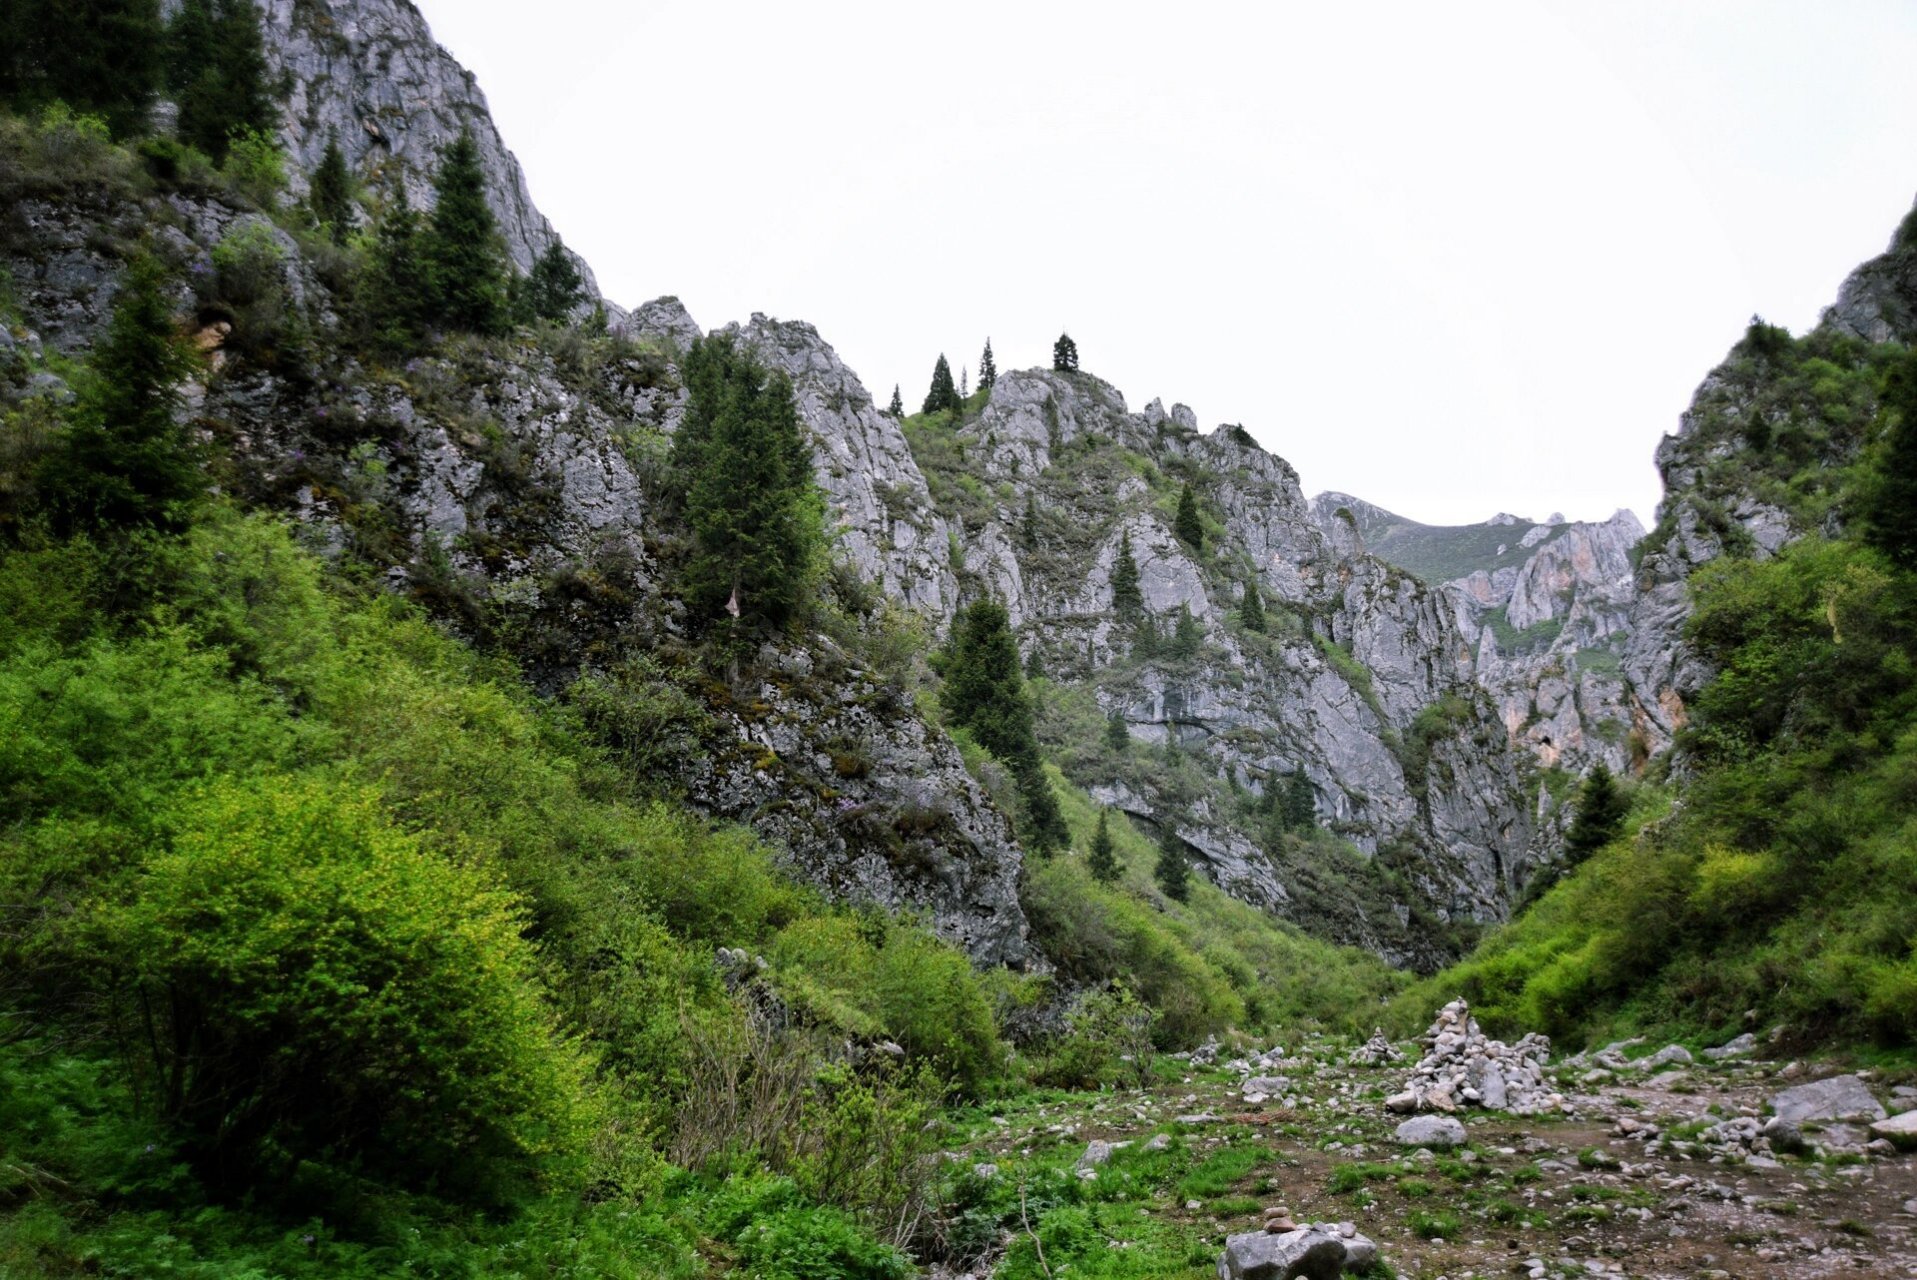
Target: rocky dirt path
pixel 1650 1173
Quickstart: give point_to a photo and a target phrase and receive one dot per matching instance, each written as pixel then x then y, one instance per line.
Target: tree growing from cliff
pixel 1599 818
pixel 99 56
pixel 1890 495
pixel 1298 806
pixel 1102 859
pixel 1128 601
pixel 1172 871
pixel 1251 611
pixel 331 198
pixel 944 392
pixel 987 368
pixel 1065 354
pixel 1118 732
pixel 985 694
pixel 465 257
pixel 216 69
pixel 554 288
pixel 1028 525
pixel 1187 636
pixel 123 462
pixel 1189 528
pixel 742 462
pixel 897 407
pixel 401 283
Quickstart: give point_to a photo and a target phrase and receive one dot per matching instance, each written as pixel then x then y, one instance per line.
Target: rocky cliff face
pixel 1545 610
pixel 511 485
pixel 369 74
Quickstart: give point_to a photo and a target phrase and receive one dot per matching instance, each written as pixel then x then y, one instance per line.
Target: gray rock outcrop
pixel 369 74
pixel 1836 1098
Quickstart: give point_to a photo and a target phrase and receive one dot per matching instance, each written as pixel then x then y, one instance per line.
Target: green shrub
pixel 321 984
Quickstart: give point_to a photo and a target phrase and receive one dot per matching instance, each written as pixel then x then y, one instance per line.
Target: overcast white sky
pixel 1452 258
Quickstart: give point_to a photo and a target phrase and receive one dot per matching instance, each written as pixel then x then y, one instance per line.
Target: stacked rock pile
pixel 1464 1067
pixel 1376 1052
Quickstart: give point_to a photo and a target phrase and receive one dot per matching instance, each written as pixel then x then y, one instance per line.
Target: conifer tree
pixel 1889 506
pixel 1299 805
pixel 554 288
pixel 1252 611
pixel 1187 636
pixel 123 462
pixel 216 69
pixel 1102 860
pixel 1128 601
pixel 332 193
pixel 1189 528
pixel 1118 733
pixel 1172 872
pixel 986 695
pixel 401 286
pixel 987 368
pixel 1035 664
pixel 100 56
pixel 944 393
pixel 1599 818
pixel 744 467
pixel 465 256
pixel 897 407
pixel 965 381
pixel 1028 525
pixel 1065 354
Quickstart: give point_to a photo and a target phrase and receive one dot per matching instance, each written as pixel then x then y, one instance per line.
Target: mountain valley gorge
pixel 405 868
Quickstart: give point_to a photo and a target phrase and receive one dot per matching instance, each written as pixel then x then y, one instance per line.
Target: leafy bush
pixel 315 982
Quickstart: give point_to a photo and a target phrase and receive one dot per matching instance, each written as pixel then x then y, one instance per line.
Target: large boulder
pixel 1314 1252
pixel 1837 1098
pixel 1431 1131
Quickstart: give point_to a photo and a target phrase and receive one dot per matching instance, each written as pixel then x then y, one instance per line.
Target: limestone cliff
pixel 1545 608
pixel 369 74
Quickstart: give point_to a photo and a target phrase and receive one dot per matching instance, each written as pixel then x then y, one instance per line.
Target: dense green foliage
pixel 1598 816
pixel 987 368
pixel 1065 354
pixel 216 72
pixel 399 284
pixel 943 394
pixel 744 470
pixel 101 56
pixel 1889 501
pixel 897 408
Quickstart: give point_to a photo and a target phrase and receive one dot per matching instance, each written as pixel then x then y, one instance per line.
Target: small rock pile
pixel 1464 1067
pixel 1376 1052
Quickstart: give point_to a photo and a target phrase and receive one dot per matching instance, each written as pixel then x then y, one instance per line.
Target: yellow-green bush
pixel 311 980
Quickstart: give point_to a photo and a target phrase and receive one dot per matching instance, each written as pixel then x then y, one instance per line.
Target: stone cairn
pixel 1375 1052
pixel 1463 1067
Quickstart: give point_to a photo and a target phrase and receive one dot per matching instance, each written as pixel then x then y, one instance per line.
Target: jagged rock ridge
pixel 1546 610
